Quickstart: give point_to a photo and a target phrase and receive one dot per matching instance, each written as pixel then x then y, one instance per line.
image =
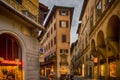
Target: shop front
pixel 10 70
pixel 63 72
pixel 102 68
pixel 10 58
pixel 46 68
pixel 95 69
pixel 112 67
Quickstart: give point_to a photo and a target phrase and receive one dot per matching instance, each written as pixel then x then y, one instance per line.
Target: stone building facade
pixel 56 42
pixel 43 11
pixel 19 46
pixel 101 21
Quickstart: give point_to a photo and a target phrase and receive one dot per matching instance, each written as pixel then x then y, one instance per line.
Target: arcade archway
pixel 93 49
pixel 112 40
pixel 101 49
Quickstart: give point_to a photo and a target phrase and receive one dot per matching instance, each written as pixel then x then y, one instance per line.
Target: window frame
pixel 54 26
pixel 99 8
pixel 64 38
pixel 51 31
pixel 63 23
pixel 55 41
pixel 63 51
pixel 63 12
pixel 19 1
pixel 91 21
pixel 10 47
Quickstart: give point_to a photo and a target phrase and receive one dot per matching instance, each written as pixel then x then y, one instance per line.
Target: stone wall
pixel 29 44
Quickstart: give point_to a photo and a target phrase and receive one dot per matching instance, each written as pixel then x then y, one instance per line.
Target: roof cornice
pixel 19 14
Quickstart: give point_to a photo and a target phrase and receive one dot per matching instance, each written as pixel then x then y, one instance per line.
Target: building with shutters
pixel 56 41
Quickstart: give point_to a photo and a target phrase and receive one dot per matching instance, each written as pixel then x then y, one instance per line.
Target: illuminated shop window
pixel 112 69
pixel 10 58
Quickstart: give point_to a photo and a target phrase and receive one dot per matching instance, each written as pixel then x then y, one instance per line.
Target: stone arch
pixel 101 47
pixel 21 41
pixel 12 45
pixel 113 27
pixel 112 40
pixel 100 39
pixel 113 31
pixel 17 35
pixel 92 44
pixel 93 49
pixel 11 54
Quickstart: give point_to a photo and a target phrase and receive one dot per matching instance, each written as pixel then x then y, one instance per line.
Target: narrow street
pixel 59 40
pixel 75 78
pixel 44 78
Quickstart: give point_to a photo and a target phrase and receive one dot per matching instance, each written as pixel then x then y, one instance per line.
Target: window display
pixel 10 72
pixel 95 71
pixel 102 70
pixel 112 69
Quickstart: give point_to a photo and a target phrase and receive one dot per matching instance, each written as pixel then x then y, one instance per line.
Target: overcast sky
pixel 77 10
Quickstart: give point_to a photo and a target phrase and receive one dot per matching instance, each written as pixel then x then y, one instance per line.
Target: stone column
pixel 107 65
pixel 98 76
pixel 45 71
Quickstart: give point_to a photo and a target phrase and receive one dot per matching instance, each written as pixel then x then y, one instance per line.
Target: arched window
pixel 9 48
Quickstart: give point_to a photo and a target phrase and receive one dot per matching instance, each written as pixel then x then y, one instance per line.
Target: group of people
pixel 66 77
pixel 69 77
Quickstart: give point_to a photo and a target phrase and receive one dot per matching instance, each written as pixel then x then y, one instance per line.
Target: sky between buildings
pixel 77 4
